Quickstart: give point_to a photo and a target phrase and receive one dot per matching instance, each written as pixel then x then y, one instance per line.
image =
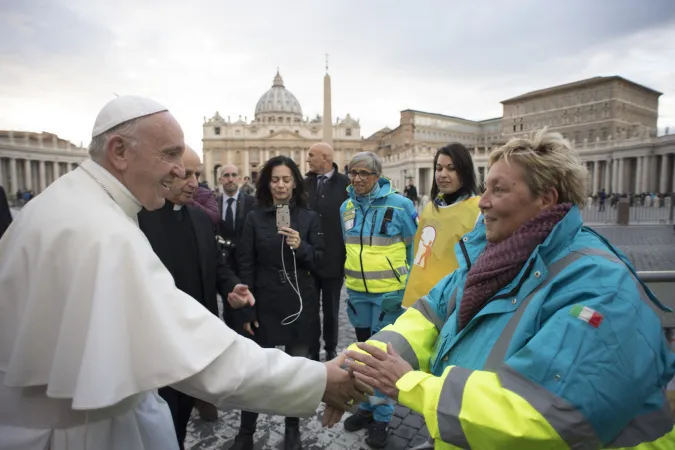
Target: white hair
pixel 370 160
pixel 98 143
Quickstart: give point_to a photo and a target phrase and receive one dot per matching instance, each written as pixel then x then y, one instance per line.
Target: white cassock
pixel 91 324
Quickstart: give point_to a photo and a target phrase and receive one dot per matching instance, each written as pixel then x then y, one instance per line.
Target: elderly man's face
pixel 183 189
pixel 507 202
pixel 316 160
pixel 155 160
pixel 363 179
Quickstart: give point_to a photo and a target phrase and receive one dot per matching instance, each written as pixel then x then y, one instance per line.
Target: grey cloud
pixel 35 30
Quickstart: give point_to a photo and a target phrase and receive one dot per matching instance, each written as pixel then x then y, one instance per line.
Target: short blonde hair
pixel 549 161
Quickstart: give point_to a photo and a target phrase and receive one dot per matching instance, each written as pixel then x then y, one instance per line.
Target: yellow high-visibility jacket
pixel 570 354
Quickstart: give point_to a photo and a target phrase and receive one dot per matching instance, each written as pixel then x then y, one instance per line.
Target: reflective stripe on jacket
pixel 378 232
pixel 570 354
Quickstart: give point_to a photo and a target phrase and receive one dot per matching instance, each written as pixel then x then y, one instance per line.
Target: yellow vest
pixel 438 232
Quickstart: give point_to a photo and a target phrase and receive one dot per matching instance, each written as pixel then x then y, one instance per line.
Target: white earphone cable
pixel 296 288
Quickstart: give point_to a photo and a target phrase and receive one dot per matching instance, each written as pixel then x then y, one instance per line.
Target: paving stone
pixel 396 443
pixel 405 431
pixel 395 422
pixel 418 440
pixel 401 411
pixel 414 420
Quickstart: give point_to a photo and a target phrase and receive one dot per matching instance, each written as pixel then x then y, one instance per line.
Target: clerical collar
pixel 117 191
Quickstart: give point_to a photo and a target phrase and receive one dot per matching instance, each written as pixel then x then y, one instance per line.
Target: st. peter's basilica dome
pixel 278 104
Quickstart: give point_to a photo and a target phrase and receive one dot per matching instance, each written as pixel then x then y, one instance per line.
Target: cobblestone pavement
pixel 649 247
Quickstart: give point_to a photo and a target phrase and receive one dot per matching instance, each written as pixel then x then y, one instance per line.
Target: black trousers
pixel 330 305
pixel 249 419
pixel 181 407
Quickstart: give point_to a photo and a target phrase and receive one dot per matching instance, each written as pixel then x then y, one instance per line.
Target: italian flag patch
pixel 588 315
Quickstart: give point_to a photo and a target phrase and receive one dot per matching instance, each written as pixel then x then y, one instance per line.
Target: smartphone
pixel 283 216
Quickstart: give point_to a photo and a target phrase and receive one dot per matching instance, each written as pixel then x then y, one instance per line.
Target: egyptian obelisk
pixel 327 107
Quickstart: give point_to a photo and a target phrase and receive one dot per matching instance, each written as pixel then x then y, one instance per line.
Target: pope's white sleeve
pixel 246 376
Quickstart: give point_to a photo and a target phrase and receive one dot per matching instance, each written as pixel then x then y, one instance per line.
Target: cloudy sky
pixel 62 60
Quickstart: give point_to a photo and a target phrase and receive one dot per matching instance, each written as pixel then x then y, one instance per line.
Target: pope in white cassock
pixel 91 323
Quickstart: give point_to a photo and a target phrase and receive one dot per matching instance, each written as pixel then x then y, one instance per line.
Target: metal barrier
pixel 659 212
pixel 662 284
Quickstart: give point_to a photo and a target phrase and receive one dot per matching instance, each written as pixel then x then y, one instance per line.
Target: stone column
pixel 245 165
pixel 230 157
pixel 638 175
pixel 646 177
pixel 13 177
pixel 596 176
pixel 55 170
pixel 43 177
pixel 27 178
pixel 303 160
pixel 620 184
pixel 208 168
pixel 608 182
pixel 615 175
pixel 663 177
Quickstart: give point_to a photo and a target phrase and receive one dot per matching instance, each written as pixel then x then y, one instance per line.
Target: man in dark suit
pixel 233 206
pixel 182 236
pixel 327 189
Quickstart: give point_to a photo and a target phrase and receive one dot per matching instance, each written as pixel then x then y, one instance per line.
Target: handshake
pixel 342 390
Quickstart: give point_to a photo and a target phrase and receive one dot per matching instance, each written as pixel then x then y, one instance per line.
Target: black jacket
pixel 259 254
pixel 5 213
pixel 334 193
pixel 217 277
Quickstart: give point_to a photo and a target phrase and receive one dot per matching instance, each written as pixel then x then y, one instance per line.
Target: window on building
pixel 521 127
pixel 603 134
pixel 591 135
pixel 271 131
pixel 514 128
pixel 348 131
pixel 216 130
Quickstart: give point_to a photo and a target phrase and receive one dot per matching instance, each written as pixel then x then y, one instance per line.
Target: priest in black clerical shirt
pixel 182 236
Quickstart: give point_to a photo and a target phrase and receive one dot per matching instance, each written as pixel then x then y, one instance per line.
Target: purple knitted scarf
pixel 500 263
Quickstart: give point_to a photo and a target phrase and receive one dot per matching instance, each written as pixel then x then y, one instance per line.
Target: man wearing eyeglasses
pixel 378 226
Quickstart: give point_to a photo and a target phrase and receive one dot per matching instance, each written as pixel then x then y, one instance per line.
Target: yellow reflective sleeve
pixel 380 345
pixel 420 392
pixel 494 417
pixel 419 336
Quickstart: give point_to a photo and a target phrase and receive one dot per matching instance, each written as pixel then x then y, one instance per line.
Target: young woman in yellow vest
pixel 452 213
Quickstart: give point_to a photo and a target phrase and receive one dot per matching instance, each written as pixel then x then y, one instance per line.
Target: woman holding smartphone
pixel 278 264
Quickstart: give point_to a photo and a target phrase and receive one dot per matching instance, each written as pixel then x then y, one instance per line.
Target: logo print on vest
pixel 427 238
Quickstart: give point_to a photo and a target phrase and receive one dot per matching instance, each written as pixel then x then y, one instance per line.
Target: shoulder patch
pixel 350 204
pixel 588 315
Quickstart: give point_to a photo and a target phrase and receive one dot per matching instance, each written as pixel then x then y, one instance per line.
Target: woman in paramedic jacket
pixel 544 337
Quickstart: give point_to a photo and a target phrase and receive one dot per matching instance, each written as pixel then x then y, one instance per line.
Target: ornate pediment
pixel 284 135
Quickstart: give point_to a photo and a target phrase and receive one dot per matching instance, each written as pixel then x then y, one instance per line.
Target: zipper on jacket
pixel 465 253
pixel 393 270
pixel 363 274
pixel 515 290
pixel 372 227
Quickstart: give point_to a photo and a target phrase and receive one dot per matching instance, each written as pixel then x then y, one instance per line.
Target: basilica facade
pixel 278 128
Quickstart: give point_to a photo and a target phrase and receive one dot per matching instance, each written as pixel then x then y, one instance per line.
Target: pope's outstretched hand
pixel 342 390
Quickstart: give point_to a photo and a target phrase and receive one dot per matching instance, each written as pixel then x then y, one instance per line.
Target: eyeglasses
pixel 363 174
